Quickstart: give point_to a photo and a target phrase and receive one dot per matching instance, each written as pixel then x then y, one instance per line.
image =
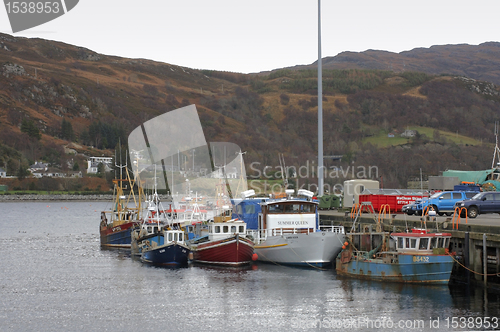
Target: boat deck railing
pixel 386 256
pixel 333 229
pixel 262 234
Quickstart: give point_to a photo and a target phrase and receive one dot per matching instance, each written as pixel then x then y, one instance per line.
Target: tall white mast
pixel 320 108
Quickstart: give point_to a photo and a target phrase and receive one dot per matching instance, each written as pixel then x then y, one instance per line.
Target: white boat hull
pixel 313 249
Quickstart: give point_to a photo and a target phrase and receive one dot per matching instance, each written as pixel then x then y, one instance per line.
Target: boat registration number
pixel 420 259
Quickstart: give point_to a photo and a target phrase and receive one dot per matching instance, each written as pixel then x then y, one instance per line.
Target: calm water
pixel 54 277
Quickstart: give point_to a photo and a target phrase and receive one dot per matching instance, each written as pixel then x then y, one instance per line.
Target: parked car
pixel 442 202
pixel 408 209
pixel 486 202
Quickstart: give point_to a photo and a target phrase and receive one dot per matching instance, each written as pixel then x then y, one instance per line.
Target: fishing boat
pixel 225 244
pixel 222 241
pixel 117 222
pixel 412 257
pixel 159 240
pixel 286 230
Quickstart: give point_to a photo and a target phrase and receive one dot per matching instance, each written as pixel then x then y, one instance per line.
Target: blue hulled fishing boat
pixel 159 240
pixel 414 257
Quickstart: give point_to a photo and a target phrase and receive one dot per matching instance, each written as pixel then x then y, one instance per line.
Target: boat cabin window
pixel 217 229
pixel 225 229
pixel 400 242
pixel 233 229
pixel 250 209
pixel 440 242
pixel 180 236
pixel 276 208
pixel 242 229
pixel 308 208
pixel 169 236
pixel 424 243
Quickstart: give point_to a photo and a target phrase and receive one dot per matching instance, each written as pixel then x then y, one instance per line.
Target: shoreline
pixel 61 197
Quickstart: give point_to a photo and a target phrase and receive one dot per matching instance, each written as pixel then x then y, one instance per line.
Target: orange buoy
pixel 346 243
pixel 255 257
pixel 343 247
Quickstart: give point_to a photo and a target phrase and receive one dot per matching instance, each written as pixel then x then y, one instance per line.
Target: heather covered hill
pixel 57 98
pixel 481 62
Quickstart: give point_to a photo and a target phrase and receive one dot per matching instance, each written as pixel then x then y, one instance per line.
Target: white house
pixel 93 164
pixel 38 167
pixel 3 174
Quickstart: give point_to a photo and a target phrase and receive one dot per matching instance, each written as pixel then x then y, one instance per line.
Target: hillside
pixel 53 94
pixel 481 62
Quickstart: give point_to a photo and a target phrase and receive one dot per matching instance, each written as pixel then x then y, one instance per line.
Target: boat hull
pixel 316 249
pixel 172 254
pixel 233 251
pixel 431 269
pixel 117 237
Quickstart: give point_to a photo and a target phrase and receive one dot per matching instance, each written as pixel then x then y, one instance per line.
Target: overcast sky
pixel 259 35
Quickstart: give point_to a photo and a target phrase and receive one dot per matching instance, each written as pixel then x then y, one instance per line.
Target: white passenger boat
pixel 288 231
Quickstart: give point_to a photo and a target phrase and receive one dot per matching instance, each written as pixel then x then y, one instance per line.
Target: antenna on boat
pixel 284 176
pixel 496 153
pixel 241 181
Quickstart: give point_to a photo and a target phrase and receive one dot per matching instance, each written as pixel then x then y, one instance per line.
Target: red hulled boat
pixel 225 244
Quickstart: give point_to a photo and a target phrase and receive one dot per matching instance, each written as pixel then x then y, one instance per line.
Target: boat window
pixel 424 243
pixel 217 229
pixel 446 243
pixel 276 208
pixel 180 237
pixel 413 243
pixel 233 229
pixel 242 229
pixel 239 209
pixel 433 243
pixel 407 243
pixel 307 208
pixel 440 243
pixel 155 229
pixel 169 236
pixel 400 243
pixel 225 229
pixel 149 229
pixel 249 209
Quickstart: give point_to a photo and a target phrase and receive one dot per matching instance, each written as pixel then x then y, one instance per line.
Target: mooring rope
pixel 465 267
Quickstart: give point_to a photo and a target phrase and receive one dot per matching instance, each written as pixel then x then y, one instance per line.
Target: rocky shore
pixel 31 197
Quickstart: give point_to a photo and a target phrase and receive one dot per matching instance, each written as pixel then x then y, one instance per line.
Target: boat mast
pixel 496 153
pixel 320 108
